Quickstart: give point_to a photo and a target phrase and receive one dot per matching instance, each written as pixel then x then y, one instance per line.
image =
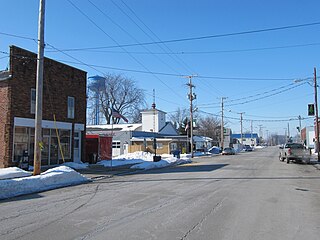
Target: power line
pixel 251 96
pixel 286 88
pixel 208 52
pixel 136 60
pixel 270 95
pixel 201 37
pixel 258 120
pixel 18 36
pixel 94 66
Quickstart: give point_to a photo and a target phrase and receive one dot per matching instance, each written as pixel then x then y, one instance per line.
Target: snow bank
pixel 76 165
pixel 144 160
pixel 53 178
pixel 146 156
pixel 13 172
pixel 146 165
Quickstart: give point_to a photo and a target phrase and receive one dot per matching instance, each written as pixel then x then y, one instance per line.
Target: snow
pixel 15 181
pixel 76 166
pixel 144 160
pixel 57 177
pixel 13 172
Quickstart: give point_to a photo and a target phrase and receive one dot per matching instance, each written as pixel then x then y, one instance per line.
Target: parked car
pixel 228 151
pixel 294 152
pixel 215 150
pixel 247 148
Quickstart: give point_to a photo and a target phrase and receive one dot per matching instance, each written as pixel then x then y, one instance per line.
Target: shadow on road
pixel 22 198
pixel 217 179
pixel 186 168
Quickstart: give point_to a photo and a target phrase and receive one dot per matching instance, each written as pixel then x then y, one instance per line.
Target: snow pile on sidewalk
pixel 144 160
pixel 53 178
pixel 13 172
pixel 76 166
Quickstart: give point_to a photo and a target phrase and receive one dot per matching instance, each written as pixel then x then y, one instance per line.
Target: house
pixel 140 136
pixel 64 96
pixel 251 139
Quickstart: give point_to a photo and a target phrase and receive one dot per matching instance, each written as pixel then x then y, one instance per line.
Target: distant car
pixel 214 150
pixel 228 151
pixel 247 148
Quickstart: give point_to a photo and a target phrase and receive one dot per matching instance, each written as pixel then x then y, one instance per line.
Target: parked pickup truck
pixel 294 152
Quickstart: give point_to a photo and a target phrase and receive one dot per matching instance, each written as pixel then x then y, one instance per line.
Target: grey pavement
pixel 97 172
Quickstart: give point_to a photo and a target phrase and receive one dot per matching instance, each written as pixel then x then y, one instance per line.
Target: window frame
pixel 33 101
pixel 71 107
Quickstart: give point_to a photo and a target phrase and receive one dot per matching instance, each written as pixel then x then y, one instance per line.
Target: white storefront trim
pixel 29 122
pixel 78 127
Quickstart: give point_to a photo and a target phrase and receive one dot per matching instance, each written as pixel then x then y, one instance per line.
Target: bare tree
pixel 119 93
pixel 178 117
pixel 209 127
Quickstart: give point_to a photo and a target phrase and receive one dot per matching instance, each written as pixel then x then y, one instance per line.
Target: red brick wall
pixel 4 117
pixel 60 81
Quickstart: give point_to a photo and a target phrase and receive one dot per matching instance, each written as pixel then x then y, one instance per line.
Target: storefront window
pixel 50 153
pixel 65 143
pixel 21 138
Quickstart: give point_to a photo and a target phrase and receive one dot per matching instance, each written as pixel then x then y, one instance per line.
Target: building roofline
pixel 12 47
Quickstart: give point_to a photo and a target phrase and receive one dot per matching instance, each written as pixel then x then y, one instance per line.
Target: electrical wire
pixel 258 120
pixel 135 59
pixel 209 52
pixel 251 96
pixel 201 37
pixel 256 99
pixel 94 66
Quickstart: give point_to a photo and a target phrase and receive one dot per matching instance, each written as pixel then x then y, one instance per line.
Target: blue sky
pixel 245 65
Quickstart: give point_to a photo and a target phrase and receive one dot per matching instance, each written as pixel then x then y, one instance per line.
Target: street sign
pixel 311 109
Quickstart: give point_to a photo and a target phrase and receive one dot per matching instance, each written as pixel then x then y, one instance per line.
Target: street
pixel 250 195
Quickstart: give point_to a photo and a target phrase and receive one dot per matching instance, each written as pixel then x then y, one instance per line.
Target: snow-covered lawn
pixel 53 178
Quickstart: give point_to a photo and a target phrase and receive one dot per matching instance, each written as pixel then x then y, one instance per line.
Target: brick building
pixel 64 95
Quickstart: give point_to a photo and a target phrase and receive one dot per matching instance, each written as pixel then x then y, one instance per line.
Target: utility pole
pixel 222 125
pixel 251 134
pixel 191 97
pixel 39 91
pixel 317 116
pixel 299 117
pixel 288 132
pixel 241 132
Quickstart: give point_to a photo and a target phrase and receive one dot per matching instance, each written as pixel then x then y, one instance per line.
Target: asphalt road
pixel 247 196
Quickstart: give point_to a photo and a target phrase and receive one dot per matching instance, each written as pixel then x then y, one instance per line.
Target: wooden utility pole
pixel 241 132
pixel 316 108
pixel 299 117
pixel 222 125
pixel 191 97
pixel 39 91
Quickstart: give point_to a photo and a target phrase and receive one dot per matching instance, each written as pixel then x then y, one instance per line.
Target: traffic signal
pixel 310 109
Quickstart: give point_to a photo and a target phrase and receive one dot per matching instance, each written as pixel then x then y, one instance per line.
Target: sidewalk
pixel 314 162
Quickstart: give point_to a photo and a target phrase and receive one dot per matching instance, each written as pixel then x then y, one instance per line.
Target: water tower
pixel 95 87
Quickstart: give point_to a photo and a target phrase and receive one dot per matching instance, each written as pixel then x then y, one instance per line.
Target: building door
pixel 77 147
pixel 125 148
pixel 116 148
